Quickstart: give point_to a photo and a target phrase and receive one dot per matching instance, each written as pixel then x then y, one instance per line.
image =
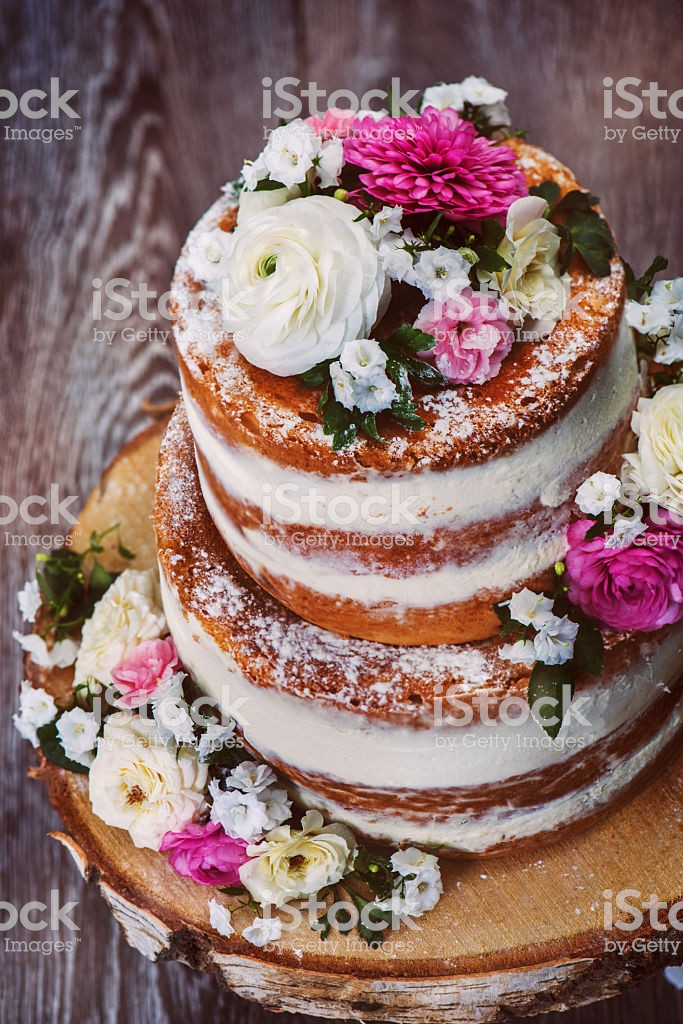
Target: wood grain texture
pixel 170 99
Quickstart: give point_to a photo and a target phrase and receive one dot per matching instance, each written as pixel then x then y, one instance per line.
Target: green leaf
pixel 232 890
pixel 549 681
pixel 267 185
pixel 419 370
pixel 100 579
pixel 576 200
pixel 592 238
pixel 636 288
pixel 323 399
pixel 375 870
pixel 598 529
pixel 53 750
pixel 368 424
pixel 491 232
pixel 124 551
pixel 410 338
pixel 548 190
pixel 322 925
pixel 317 375
pixel 589 649
pixel 502 610
pixel 491 260
pixel 398 372
pixel 339 422
pixel 511 626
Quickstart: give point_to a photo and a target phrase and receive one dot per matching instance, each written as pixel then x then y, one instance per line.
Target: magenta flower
pixel 148 665
pixel 206 854
pixel 435 162
pixel 634 587
pixel 472 336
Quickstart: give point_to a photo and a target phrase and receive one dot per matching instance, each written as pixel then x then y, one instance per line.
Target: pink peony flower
pixel 472 335
pixel 148 666
pixel 634 587
pixel 436 161
pixel 336 122
pixel 206 854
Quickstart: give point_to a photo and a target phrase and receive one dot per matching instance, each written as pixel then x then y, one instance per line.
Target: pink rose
pixel 472 336
pixel 634 587
pixel 336 122
pixel 206 854
pixel 148 666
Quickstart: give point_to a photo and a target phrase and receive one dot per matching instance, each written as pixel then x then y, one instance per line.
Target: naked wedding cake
pixel 409 384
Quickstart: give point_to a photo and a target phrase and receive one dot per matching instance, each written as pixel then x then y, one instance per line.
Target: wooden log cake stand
pixel 511 937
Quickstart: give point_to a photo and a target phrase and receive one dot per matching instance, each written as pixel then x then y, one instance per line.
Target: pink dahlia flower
pixel 148 665
pixel 206 854
pixel 472 336
pixel 436 161
pixel 634 587
pixel 336 122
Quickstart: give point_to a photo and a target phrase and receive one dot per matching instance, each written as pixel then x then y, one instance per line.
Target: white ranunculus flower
pixel 598 493
pixel 530 285
pixel 290 864
pixel 253 203
pixel 302 280
pixel 657 467
pixel 140 784
pixel 36 707
pixel 128 613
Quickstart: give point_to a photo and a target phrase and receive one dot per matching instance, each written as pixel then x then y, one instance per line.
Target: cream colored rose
pixel 128 613
pixel 530 286
pixel 289 864
pixel 142 785
pixel 253 203
pixel 657 467
pixel 302 279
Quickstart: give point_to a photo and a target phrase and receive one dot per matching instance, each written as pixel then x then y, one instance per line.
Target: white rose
pixel 290 864
pixel 127 614
pixel 530 286
pixel 302 280
pixel 140 784
pixel 657 467
pixel 253 203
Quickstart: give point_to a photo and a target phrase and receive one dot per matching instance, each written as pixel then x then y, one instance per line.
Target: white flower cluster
pixel 597 496
pixel 553 642
pixel 359 377
pixel 661 317
pixel 249 803
pixel 421 886
pixel 294 151
pixel 489 99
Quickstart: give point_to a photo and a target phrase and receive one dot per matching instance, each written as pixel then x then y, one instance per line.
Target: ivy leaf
pixel 589 648
pixel 267 185
pixel 491 260
pixel 317 375
pixel 323 399
pixel 592 238
pixel 548 190
pixel 374 870
pixel 368 424
pixel 419 370
pixel 322 925
pixel 550 681
pixel 410 338
pixel 576 200
pixel 404 411
pixel 502 610
pixel 339 422
pixel 398 372
pixel 53 750
pixel 637 287
pixel 227 758
pixel 374 914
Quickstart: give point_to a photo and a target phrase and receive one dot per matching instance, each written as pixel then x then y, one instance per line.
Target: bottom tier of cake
pixel 431 745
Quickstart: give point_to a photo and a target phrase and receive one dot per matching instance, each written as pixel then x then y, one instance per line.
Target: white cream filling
pixel 355 749
pixel 425 500
pixel 328 572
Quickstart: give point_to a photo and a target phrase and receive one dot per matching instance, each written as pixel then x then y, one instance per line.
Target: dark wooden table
pixel 169 97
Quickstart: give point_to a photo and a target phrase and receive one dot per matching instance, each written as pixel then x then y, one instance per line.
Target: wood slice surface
pixel 511 937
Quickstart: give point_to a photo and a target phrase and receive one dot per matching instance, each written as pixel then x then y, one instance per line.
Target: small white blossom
pixel 215 738
pixel 396 261
pixel 648 317
pixel 208 257
pixel 598 493
pixel 626 529
pixel 523 652
pixel 412 861
pixel 476 91
pixel 554 641
pixel 374 393
pixel 263 931
pixel 219 918
pixel 363 358
pixel 242 815
pixel 28 600
pixel 669 293
pixel 36 707
pixel 290 151
pixel 670 349
pixel 173 721
pixel 277 806
pixel 251 777
pixel 443 96
pixel 441 273
pixel 529 608
pixel 417 898
pixel 342 385
pixel 329 162
pixel 481 93
pixel 77 730
pixel 254 171
pixel 387 221
pixel 60 655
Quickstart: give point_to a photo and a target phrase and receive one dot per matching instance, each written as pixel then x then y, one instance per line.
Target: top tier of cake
pixel 412 541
